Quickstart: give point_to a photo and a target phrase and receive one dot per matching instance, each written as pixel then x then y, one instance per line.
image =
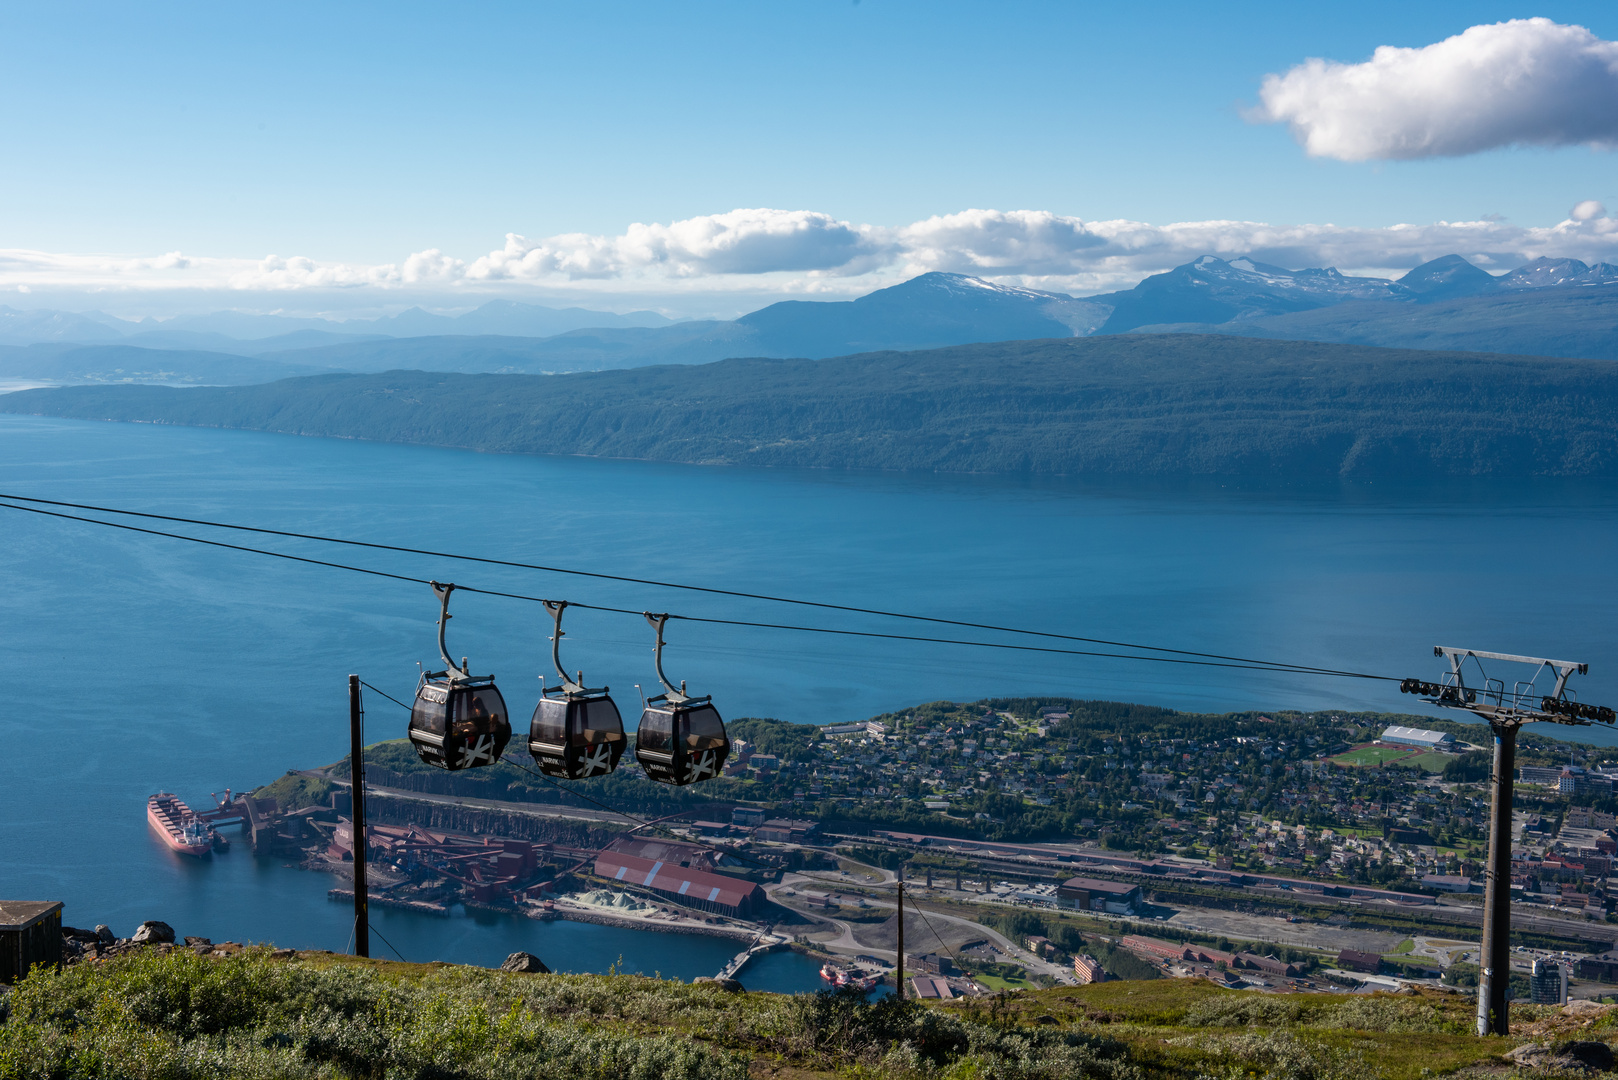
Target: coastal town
pixel 1039 843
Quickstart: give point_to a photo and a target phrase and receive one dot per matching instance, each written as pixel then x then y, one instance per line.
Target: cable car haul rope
pixel 460 720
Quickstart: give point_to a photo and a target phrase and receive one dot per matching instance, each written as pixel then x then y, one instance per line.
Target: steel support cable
pixel 372 927
pixel 675 585
pixel 955 959
pixel 1239 665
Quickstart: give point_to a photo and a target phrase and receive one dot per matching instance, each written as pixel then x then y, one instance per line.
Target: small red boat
pixel 181 829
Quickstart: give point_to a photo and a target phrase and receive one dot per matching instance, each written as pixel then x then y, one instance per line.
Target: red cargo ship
pixel 177 825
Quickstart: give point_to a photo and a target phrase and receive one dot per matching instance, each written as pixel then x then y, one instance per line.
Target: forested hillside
pixel 1129 404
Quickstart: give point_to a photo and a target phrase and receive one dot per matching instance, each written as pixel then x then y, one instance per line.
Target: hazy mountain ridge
pixel 1556 307
pixel 502 317
pixel 1126 404
pixel 128 364
pixel 1565 321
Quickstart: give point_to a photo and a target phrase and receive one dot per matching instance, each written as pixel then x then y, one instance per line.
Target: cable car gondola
pixel 459 720
pixel 681 739
pixel 578 733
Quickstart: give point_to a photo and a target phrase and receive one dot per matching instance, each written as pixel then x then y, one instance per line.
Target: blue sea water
pixel 139 662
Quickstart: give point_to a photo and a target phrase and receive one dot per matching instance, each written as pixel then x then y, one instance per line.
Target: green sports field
pixel 1371 756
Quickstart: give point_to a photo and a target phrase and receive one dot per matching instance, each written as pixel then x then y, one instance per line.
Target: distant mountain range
pixel 248 334
pixel 1550 307
pixel 1124 404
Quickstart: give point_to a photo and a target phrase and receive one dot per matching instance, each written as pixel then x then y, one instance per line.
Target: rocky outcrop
pixel 1573 1055
pixel 153 932
pixel 525 962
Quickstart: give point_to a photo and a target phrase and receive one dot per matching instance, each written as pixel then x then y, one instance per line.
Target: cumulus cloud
pixel 756 253
pixel 994 241
pixel 1529 82
pixel 739 242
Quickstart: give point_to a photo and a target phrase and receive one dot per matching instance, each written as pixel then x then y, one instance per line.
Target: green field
pixel 1371 756
pixel 1429 762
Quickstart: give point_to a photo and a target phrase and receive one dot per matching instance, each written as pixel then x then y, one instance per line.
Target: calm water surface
pixel 141 663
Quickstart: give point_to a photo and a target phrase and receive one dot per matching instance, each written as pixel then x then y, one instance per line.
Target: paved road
pixel 847 939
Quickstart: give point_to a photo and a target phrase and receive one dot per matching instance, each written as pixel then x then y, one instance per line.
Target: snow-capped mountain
pixel 931 310
pixel 1545 273
pixel 1213 290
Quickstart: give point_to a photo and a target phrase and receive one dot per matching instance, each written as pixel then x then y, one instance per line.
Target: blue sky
pixel 359 134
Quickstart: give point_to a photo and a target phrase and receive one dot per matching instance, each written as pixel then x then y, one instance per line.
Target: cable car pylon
pixel 1505 712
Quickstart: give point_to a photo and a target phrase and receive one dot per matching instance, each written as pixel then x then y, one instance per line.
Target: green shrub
pixel 178 1017
pixel 1386 1014
pixel 1248 1010
pixel 1278 1055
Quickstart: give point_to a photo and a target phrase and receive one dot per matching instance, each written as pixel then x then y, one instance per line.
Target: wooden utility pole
pixel 356 778
pixel 900 988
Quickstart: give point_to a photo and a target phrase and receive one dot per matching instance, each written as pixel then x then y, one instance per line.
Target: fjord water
pixel 139 663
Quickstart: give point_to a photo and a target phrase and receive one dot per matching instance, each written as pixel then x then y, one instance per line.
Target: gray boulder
pixel 153 932
pixel 728 985
pixel 1572 1056
pixel 105 933
pixel 528 962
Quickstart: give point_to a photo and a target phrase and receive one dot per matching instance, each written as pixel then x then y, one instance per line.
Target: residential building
pixel 1548 984
pixel 1088 970
pixel 1354 960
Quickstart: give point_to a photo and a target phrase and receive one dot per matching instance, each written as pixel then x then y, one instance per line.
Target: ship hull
pixel 167 815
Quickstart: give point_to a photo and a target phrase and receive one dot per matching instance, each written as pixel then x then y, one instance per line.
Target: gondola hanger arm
pixel 569 686
pixel 670 695
pixel 443 594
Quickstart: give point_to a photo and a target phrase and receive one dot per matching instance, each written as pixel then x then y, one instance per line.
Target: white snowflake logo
pixel 599 760
pixel 704 767
pixel 479 753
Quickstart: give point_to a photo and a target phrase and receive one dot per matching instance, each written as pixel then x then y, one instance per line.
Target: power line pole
pixel 899 988
pixel 1505 712
pixel 356 777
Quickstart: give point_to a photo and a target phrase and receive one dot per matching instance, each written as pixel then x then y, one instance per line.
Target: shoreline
pixel 628 923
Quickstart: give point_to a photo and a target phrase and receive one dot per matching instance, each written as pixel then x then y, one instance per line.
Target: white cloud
pixel 739 242
pixel 994 241
pixel 1527 82
pixel 759 254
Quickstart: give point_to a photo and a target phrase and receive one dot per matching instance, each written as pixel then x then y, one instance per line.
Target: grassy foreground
pixel 176 1015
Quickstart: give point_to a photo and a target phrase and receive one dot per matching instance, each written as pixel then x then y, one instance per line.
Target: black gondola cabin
pixel 682 743
pixel 576 736
pixel 459 723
